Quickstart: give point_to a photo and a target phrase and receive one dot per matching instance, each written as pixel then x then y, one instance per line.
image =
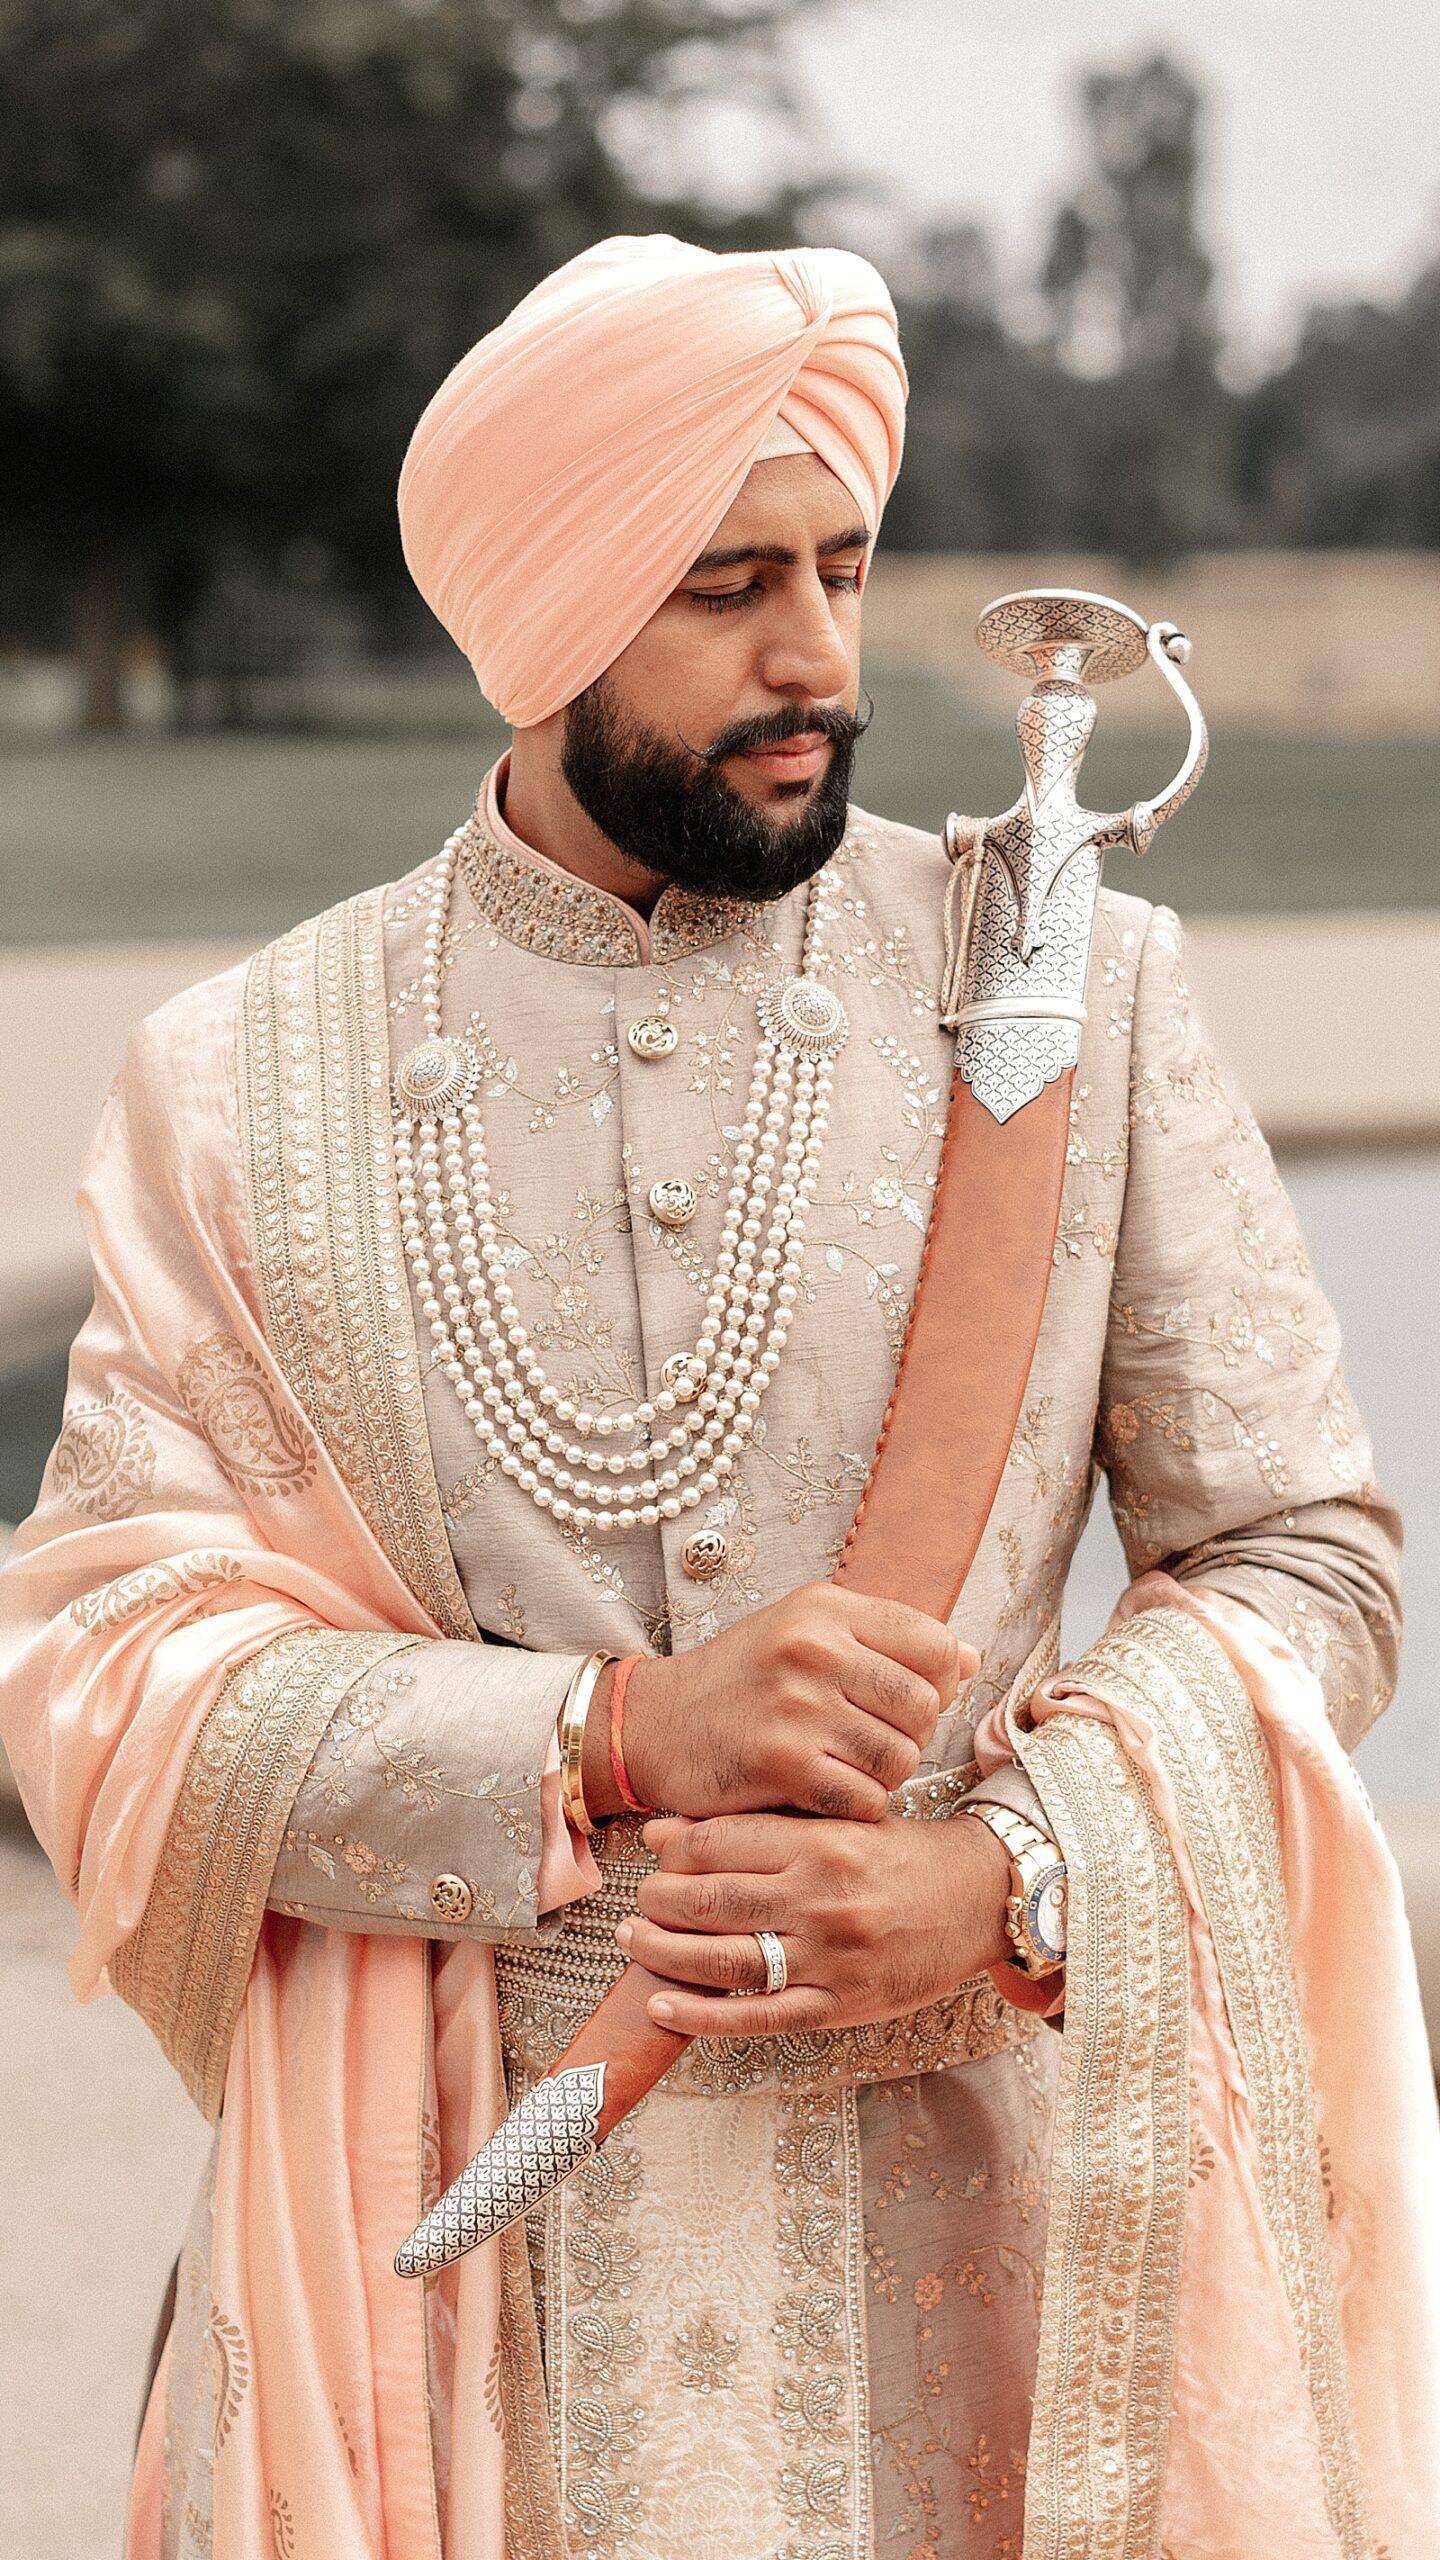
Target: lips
pixel 796 757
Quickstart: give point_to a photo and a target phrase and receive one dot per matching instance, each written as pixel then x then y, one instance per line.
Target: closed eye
pixel 727 599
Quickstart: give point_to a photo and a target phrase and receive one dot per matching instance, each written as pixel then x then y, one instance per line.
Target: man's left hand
pixel 876 1918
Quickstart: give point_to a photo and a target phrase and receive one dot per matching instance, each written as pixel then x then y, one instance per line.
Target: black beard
pixel 671 809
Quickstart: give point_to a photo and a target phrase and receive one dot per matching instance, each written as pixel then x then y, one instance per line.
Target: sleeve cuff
pixel 425 1808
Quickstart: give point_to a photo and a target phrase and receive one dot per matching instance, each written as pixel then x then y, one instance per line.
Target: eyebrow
pixel 854 538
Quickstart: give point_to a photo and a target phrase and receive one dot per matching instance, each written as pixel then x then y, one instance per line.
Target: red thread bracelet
pixel 618 1770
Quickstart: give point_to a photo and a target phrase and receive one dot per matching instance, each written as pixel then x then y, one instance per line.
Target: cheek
pixel 685 669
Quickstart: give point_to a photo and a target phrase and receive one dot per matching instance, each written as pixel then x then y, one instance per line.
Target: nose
pixel 805 651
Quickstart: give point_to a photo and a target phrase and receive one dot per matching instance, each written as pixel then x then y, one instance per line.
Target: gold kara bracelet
pixel 574 1709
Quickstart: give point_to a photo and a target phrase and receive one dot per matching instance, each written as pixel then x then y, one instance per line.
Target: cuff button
pixel 451 1898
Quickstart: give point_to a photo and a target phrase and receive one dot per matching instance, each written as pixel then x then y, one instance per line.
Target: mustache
pixel 842 728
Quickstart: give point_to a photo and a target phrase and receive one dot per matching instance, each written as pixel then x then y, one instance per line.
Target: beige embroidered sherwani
pixel 791 2308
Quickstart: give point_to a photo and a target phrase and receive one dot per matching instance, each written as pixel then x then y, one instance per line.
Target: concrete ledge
pixel 1326 1021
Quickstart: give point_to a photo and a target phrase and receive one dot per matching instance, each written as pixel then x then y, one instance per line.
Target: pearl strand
pixel 739 1352
pixel 512 1406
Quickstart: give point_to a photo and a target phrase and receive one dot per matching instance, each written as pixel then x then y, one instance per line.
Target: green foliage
pixel 1109 427
pixel 241 242
pixel 1110 431
pixel 1343 445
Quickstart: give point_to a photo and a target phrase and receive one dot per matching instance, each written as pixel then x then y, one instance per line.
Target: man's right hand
pixel 820 1703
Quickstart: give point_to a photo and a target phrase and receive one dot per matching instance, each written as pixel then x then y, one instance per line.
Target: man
pixel 486 1260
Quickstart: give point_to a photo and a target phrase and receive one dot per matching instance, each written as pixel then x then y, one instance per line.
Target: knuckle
pixel 728 1967
pixel 841 1798
pixel 808 1654
pixel 706 1899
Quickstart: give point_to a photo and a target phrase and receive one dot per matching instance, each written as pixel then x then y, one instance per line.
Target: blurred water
pixel 1372 1223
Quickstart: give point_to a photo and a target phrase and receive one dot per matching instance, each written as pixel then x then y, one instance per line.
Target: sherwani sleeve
pixel 432 1803
pixel 196 1593
pixel 1235 1454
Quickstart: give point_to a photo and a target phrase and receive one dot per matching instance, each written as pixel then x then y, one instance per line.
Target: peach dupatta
pixel 1241 2316
pixel 201 1580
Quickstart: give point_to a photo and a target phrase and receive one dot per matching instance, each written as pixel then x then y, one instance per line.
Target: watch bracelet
pixel 1018 1835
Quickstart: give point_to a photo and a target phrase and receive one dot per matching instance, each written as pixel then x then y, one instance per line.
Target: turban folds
pixel 572 466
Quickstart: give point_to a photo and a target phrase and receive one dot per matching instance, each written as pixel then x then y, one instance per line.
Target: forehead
pixel 793 498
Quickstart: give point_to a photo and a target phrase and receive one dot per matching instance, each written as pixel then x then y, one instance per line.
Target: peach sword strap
pixel 1025 886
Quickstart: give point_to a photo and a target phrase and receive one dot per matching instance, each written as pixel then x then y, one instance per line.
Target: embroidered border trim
pixel 822 2404
pixel 570 919
pixel 324 1218
pixel 186 1966
pixel 1173 1671
pixel 1120 2160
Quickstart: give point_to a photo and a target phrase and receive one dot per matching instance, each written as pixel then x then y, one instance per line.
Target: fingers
pixel 795 2012
pixel 741 1843
pixel 842 1794
pixel 877 1750
pixel 711 1963
pixel 914 1640
pixel 710 1904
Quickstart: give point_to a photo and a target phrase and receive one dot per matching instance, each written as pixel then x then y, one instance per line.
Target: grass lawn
pixel 106 839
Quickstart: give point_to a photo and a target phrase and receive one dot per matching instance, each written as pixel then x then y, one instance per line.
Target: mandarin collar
pixel 545 908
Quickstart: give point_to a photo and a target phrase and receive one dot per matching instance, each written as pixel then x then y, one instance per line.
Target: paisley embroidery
pixel 261 1447
pixel 232 2370
pixel 104 1459
pixel 151 1586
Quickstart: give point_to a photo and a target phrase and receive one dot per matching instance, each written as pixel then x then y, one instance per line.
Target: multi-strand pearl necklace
pixel 541 1438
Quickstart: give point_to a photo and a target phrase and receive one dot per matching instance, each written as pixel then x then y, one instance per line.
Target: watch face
pixel 1045 1906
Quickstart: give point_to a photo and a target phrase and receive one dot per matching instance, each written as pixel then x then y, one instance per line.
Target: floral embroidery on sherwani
pixel 794 2300
pixel 940 2334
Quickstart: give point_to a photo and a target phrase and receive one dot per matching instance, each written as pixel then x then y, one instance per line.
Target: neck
pixel 537 801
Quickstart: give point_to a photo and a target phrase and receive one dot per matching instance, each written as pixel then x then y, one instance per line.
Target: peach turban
pixel 573 465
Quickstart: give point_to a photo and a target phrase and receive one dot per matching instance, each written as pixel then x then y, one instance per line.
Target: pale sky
pixel 1323 143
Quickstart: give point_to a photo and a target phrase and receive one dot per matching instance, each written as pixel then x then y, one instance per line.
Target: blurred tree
pixel 241 242
pixel 1111 431
pixel 1126 279
pixel 1127 288
pixel 1342 446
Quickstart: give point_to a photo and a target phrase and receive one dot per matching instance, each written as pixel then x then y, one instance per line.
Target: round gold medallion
pixel 705 1553
pixel 435 1077
pixel 451 1898
pixel 652 1036
pixel 806 1017
pixel 684 1374
pixel 674 1202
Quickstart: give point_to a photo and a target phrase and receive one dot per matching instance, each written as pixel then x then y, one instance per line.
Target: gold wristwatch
pixel 1035 1911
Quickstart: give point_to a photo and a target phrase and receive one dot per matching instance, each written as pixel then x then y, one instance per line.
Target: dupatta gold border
pixel 186 1967
pixel 314 1074
pixel 1170 1669
pixel 314 1077
pixel 1120 2161
pixel 1120 2164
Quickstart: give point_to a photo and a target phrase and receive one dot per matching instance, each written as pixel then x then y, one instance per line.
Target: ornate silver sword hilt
pixel 1022 897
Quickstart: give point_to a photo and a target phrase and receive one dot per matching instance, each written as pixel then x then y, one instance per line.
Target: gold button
pixel 652 1036
pixel 684 1373
pixel 705 1554
pixel 451 1898
pixel 673 1202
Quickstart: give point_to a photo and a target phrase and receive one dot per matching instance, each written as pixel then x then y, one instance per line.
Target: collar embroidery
pixel 570 919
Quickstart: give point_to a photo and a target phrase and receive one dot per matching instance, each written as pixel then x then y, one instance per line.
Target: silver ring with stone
pixel 777 1971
